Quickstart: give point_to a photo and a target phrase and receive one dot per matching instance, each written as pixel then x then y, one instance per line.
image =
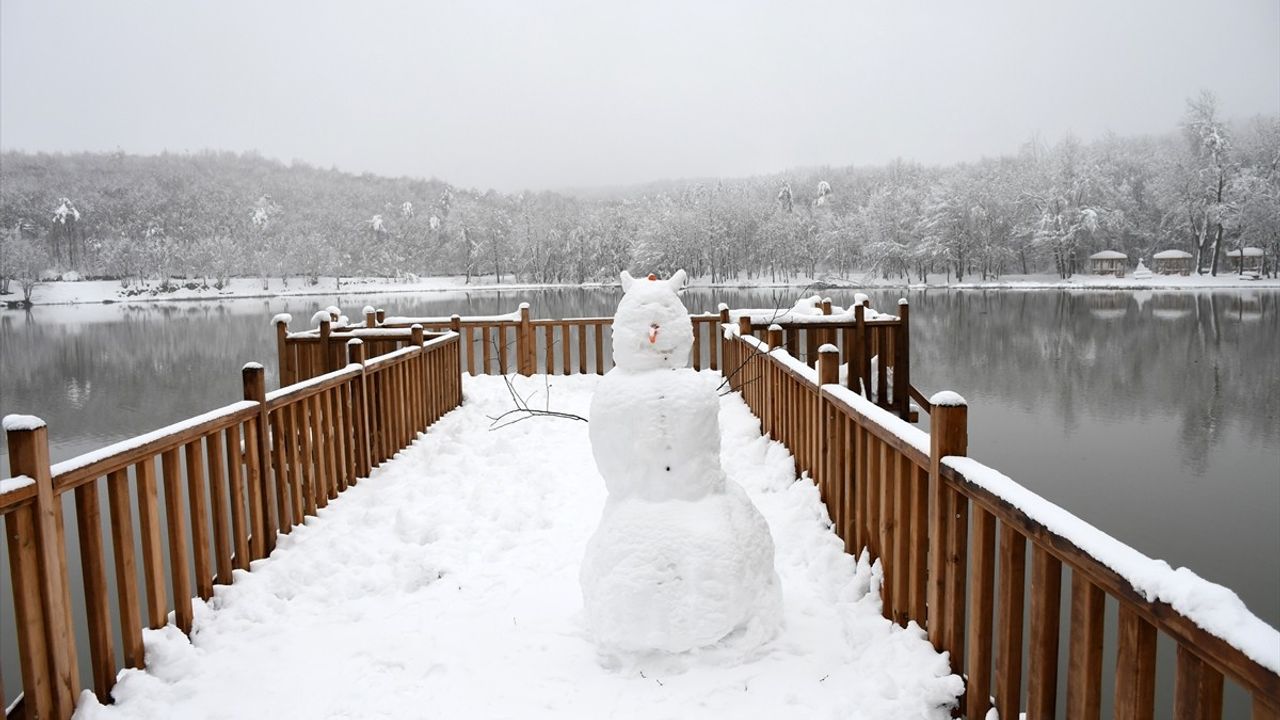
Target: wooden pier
pixel 954 553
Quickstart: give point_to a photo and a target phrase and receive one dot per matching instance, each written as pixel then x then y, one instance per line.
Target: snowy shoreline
pixel 107 292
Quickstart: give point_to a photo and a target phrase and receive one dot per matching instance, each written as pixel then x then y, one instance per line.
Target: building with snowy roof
pixel 1171 262
pixel 1108 262
pixel 1252 259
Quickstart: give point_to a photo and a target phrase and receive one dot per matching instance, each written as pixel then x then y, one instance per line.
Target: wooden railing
pixel 490 345
pixel 874 347
pixel 230 480
pixel 953 550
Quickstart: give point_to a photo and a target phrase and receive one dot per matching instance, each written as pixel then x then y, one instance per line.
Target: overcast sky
pixel 525 95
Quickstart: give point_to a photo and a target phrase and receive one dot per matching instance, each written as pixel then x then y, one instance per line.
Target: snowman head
pixel 651 328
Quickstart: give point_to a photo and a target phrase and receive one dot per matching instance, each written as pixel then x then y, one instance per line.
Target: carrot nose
pixel 653 334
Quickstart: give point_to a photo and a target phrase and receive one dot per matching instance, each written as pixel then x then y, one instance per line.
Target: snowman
pixel 682 559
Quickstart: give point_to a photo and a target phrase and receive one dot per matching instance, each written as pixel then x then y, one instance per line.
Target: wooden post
pixel 725 368
pixel 774 336
pixel 370 317
pixel 282 350
pixel 415 335
pixel 38 561
pixel 828 365
pixel 360 406
pixel 902 362
pixel 860 357
pixel 380 315
pixel 325 330
pixel 948 435
pixel 826 306
pixel 744 326
pixel 257 461
pixel 525 357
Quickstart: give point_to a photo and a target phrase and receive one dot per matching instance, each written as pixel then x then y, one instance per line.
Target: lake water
pixel 1153 415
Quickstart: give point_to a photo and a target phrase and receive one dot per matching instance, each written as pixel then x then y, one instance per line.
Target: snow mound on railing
pixel 1212 607
pixel 8 485
pixel 18 423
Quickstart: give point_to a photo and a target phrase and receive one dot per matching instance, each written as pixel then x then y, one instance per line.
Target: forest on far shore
pixel 1207 187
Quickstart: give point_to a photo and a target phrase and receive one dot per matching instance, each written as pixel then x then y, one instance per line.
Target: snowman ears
pixel 677 281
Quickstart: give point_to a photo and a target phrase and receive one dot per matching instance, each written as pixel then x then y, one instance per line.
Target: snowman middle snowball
pixel 681 559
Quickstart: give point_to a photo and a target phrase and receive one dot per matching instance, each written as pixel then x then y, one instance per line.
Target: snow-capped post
pixel 380 315
pixel 902 362
pixel 828 364
pixel 325 331
pixel 282 349
pixel 256 445
pixel 415 335
pixel 774 336
pixel 370 317
pixel 828 374
pixel 744 326
pixel 525 353
pixel 38 559
pixel 725 365
pixel 948 527
pixel 356 355
pixel 824 335
pixel 859 360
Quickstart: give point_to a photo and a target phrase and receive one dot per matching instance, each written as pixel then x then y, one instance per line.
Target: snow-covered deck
pixel 446 585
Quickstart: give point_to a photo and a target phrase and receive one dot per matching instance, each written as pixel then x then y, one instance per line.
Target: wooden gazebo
pixel 1108 262
pixel 1252 259
pixel 1172 262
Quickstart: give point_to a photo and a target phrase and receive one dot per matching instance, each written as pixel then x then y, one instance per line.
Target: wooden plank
pixel 1084 664
pixel 1046 593
pixel 886 528
pixel 1135 667
pixel 957 568
pixel 218 498
pixel 599 340
pixel 118 500
pixel 176 524
pixel 1197 693
pixel 982 603
pixel 331 449
pixel 197 494
pixel 1266 708
pixel 490 348
pixel 1008 677
pixel 548 349
pixel 235 482
pixel 29 612
pixel 102 658
pixel 501 333
pixel 468 335
pixel 919 550
pixel 152 561
pixel 696 354
pixel 860 509
pixel 582 349
pixel 902 539
pixel 873 496
pixel 307 456
pixel 485 342
pixel 258 525
pixel 566 355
